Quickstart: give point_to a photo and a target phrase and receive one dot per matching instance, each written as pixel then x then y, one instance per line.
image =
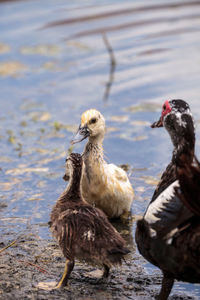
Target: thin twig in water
pixel 112 66
pixel 34 265
pixel 8 246
pixel 110 50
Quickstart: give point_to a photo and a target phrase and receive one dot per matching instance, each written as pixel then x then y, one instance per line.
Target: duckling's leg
pixel 106 271
pixel 69 265
pixel 167 284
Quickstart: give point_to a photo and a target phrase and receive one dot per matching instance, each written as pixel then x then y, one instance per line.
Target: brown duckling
pixel 82 231
pixel 168 235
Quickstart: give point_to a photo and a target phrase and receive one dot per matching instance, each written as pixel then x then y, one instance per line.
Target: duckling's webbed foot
pixel 69 265
pixel 167 284
pixel 106 271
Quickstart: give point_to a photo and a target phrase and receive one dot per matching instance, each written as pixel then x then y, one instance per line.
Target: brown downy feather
pixel 83 231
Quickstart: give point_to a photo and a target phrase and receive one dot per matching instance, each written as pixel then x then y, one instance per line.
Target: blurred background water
pixel 55 63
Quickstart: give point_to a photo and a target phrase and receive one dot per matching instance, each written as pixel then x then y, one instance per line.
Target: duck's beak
pixel 158 124
pixel 82 133
pixel 66 177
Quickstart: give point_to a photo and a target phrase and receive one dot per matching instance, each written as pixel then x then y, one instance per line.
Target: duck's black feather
pixel 168 236
pixel 189 179
pixel 167 178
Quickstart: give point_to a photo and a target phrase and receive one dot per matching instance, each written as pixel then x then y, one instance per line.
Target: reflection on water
pixel 112 67
pixel 58 59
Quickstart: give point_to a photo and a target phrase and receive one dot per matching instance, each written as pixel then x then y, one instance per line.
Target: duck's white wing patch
pixel 161 203
pixel 166 212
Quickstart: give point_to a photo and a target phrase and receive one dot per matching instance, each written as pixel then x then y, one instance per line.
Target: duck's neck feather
pixel 182 135
pixel 183 147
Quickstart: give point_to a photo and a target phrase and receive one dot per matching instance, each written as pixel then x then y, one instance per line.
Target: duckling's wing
pixel 97 221
pixel 189 179
pixel 97 237
pixel 116 172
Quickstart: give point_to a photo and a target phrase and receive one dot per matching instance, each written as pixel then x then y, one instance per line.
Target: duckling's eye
pixel 93 120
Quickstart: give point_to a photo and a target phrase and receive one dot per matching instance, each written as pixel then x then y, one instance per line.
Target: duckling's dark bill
pixel 66 177
pixel 81 134
pixel 157 124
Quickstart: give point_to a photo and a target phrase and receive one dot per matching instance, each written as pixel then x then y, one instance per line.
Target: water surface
pixel 55 63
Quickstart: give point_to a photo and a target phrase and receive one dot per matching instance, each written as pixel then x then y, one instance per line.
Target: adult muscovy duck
pixel 168 235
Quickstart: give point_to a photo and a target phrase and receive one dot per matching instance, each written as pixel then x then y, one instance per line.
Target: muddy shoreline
pixel 32 261
pixel 49 75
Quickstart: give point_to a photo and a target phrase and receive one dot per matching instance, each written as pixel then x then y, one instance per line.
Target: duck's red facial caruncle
pixel 166 109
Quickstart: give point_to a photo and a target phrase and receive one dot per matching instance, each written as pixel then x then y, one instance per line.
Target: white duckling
pixel 103 185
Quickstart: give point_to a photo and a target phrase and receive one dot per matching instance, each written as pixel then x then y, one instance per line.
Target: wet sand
pixel 32 263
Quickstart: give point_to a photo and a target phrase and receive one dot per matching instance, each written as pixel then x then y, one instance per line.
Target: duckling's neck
pixel 93 160
pixel 93 152
pixel 72 193
pixel 97 139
